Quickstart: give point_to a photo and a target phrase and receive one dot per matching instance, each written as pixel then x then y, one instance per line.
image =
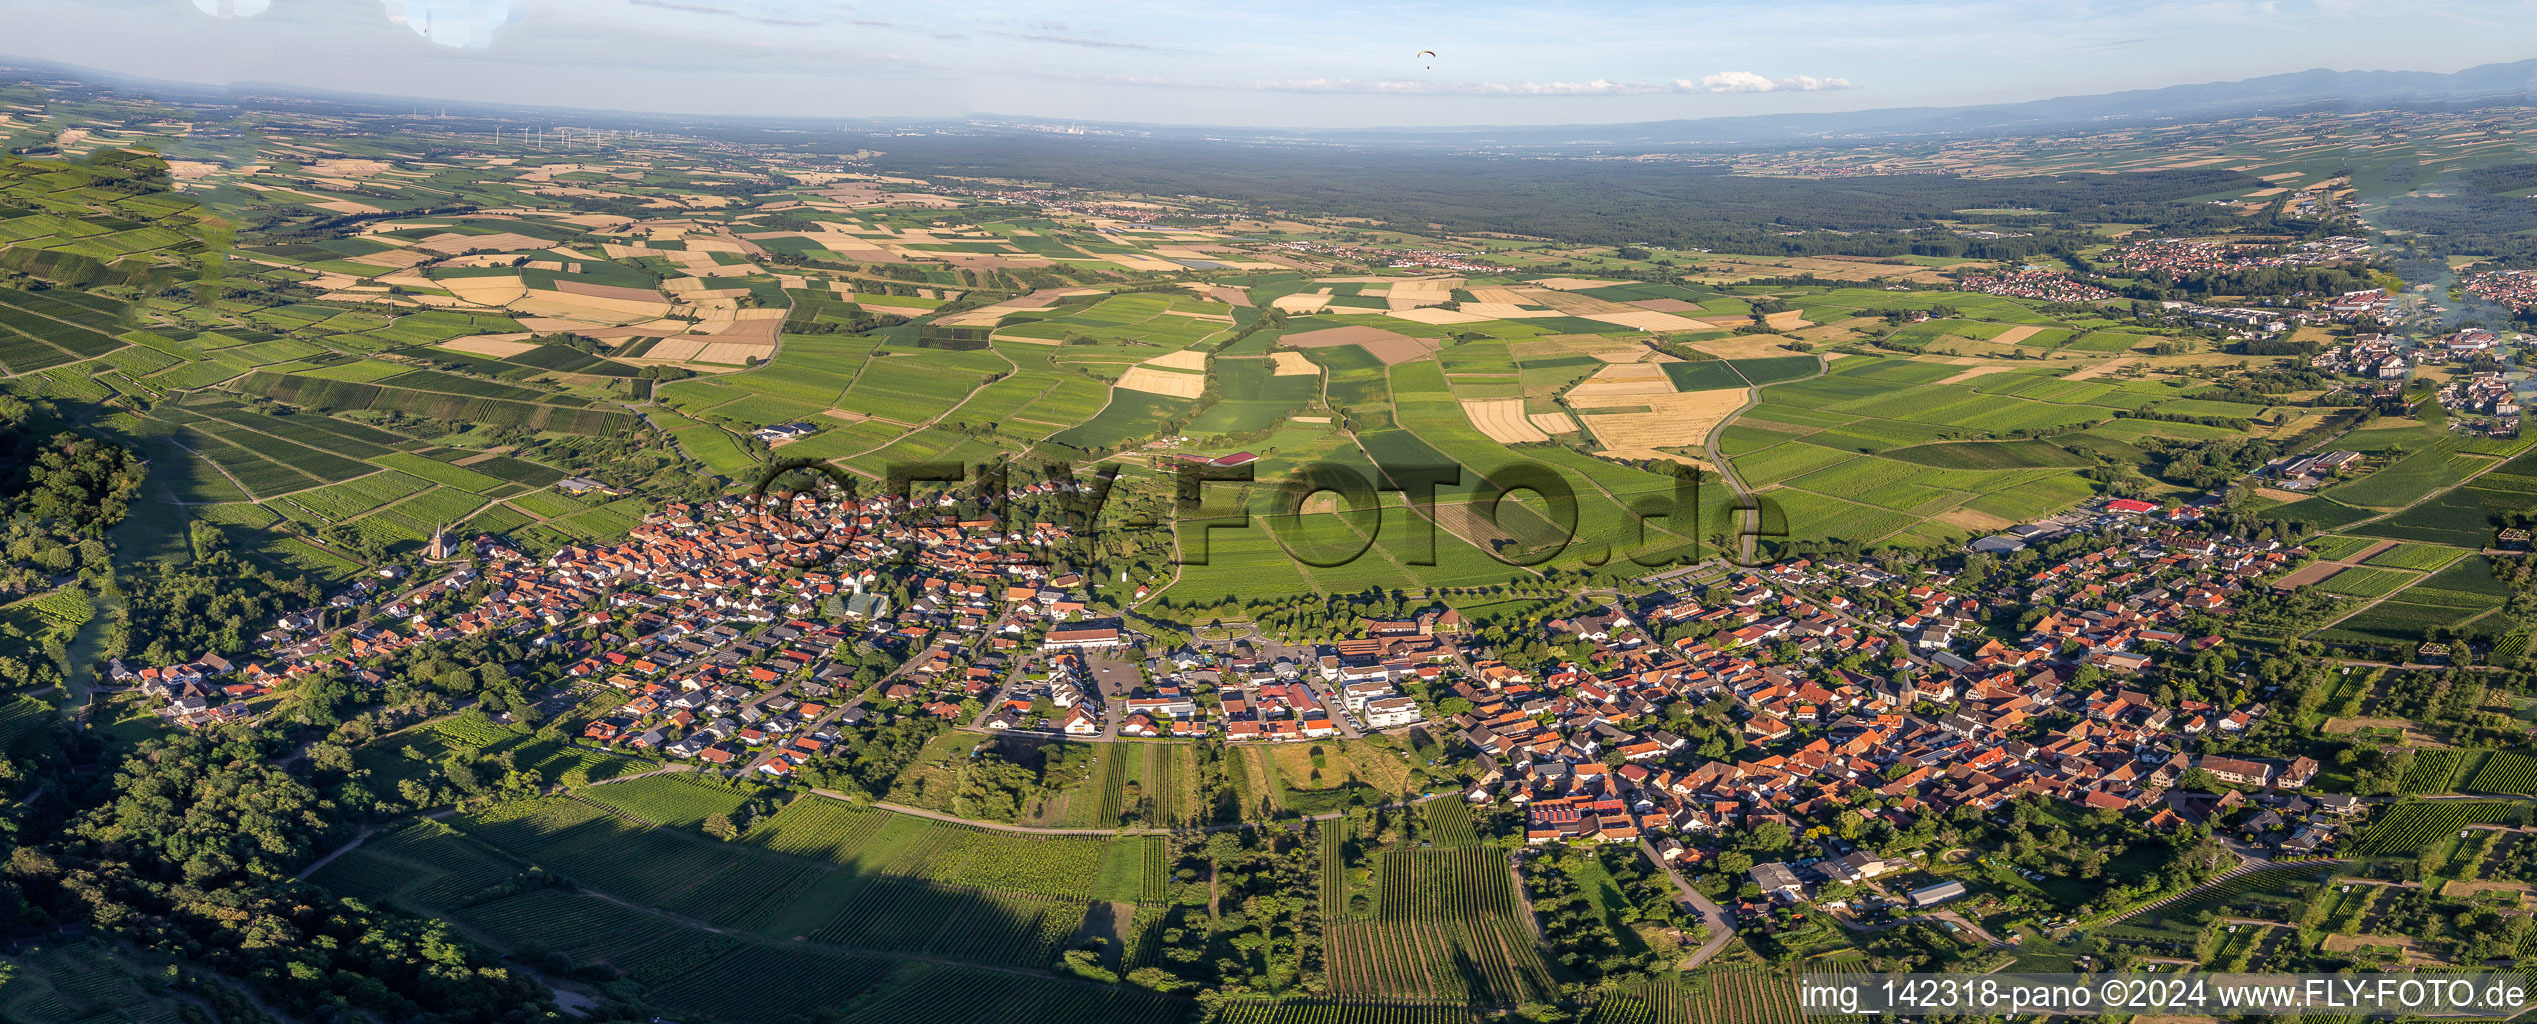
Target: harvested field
pixel 1437 316
pixel 732 353
pixel 2099 370
pixel 608 291
pixel 1672 420
pixel 453 243
pixel 1163 382
pixel 1384 345
pixel 1621 380
pixel 1503 420
pixel 1646 320
pixel 1553 422
pixel 1787 320
pixel 1230 296
pixel 2017 334
pixel 496 345
pixel 2314 573
pixel 1572 284
pixel 1978 371
pixel 1292 364
pixel 485 291
pixel 676 349
pixel 1978 522
pixel 1186 359
pixel 1303 302
pixel 1665 305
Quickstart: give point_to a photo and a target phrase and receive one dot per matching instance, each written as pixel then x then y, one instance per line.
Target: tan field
pixel 1672 421
pixel 1621 384
pixel 588 309
pixel 676 349
pixel 1163 382
pixel 1975 372
pixel 1495 297
pixel 1977 522
pixel 2098 370
pixel 2017 334
pixel 1384 345
pixel 1303 302
pixel 1437 315
pixel 1293 364
pixel 604 291
pixel 1185 359
pixel 495 345
pixel 1553 422
pixel 1787 320
pixel 505 241
pixel 1743 346
pixel 485 291
pixel 1503 420
pixel 1571 284
pixel 1505 310
pixel 1647 320
pixel 347 207
pixel 1667 305
pixel 733 353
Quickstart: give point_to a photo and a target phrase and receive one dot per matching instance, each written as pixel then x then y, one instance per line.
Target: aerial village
pixel 1840 678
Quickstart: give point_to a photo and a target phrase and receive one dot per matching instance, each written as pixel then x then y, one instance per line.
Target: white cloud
pixel 232 8
pixel 1746 81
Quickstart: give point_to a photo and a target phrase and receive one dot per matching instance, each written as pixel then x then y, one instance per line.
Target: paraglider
pixel 1428 53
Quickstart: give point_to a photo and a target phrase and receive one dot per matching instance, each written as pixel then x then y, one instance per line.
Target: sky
pixel 1296 63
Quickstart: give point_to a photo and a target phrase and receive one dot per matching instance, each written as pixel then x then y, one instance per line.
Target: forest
pixel 1596 202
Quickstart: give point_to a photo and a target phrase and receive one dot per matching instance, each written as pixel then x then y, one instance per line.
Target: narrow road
pixel 1712 916
pixel 1745 528
pixel 366 832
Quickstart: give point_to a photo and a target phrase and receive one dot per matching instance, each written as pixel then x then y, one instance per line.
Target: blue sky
pixel 1303 64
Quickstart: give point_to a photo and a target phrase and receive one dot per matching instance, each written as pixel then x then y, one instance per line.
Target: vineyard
pixel 1449 823
pixel 679 800
pixel 424 864
pixel 940 995
pixel 1446 926
pixel 1346 1011
pixel 2503 772
pixel 2405 828
pixel 2430 771
pixel 1730 995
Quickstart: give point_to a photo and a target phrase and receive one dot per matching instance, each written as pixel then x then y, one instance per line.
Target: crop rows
pixel 2504 772
pixel 1343 1011
pixel 2408 827
pixel 673 799
pixel 2430 770
pixel 781 983
pixel 818 828
pixel 1490 960
pixel 950 995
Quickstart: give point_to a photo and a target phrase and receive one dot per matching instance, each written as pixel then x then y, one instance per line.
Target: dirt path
pixel 1746 527
pixel 313 866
